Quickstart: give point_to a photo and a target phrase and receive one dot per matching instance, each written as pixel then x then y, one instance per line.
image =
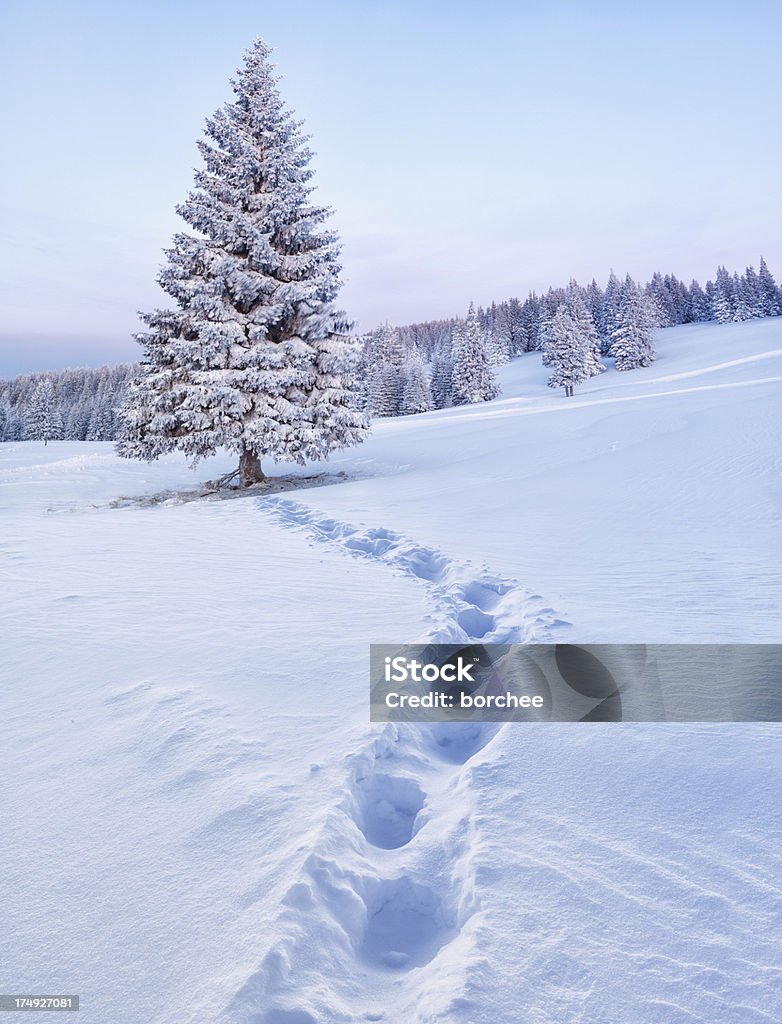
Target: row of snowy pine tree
pixel 437 364
pixel 72 405
pixel 515 324
pixel 573 327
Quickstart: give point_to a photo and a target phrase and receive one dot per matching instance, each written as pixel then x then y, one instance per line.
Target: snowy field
pixel 199 824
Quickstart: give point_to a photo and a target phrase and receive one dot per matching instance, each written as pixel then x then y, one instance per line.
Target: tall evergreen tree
pixel 632 341
pixel 13 427
pixel 678 299
pixel 497 347
pixel 101 426
pixel 5 419
pixel 518 336
pixel 386 383
pixel 590 339
pixel 566 350
pixel 43 417
pixel 608 313
pixel 770 298
pixel 594 301
pixel 750 291
pixel 741 308
pixel 532 319
pixel 700 306
pixel 473 377
pixel 661 297
pixel 416 397
pixel 255 358
pixel 723 298
pixel 441 381
pixel 501 330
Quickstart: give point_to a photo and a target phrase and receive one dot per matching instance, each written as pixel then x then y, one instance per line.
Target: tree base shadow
pixel 214 490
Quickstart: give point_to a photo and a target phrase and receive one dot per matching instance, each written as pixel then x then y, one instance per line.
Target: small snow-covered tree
pixel 590 339
pixel 769 296
pixel 532 316
pixel 518 334
pixel 723 299
pixel 254 358
pixel 473 376
pixel 78 421
pixel 594 302
pixel 609 311
pixel 14 426
pixel 750 293
pixel 441 381
pixel 661 298
pixel 497 348
pixel 101 425
pixel 5 419
pixel 44 422
pixel 386 383
pixel 700 306
pixel 416 394
pixel 679 302
pixel 741 307
pixel 386 394
pixel 632 341
pixel 502 337
pixel 566 350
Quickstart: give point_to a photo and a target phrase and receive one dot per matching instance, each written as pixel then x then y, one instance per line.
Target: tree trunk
pixel 250 471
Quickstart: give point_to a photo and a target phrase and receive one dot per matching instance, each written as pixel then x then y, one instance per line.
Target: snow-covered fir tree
pixel 44 422
pixel 441 380
pixel 741 310
pixel 609 310
pixel 386 383
pixel 531 319
pixel 473 376
pixel 416 394
pixel 566 350
pixel 769 294
pixel 632 340
pixel 497 348
pixel 700 305
pixel 502 336
pixel 255 358
pixel 750 293
pixel 590 339
pixel 7 424
pixel 101 426
pixel 77 423
pixel 661 297
pixel 723 299
pixel 518 333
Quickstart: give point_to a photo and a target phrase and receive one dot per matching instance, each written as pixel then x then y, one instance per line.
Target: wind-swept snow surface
pixel 199 824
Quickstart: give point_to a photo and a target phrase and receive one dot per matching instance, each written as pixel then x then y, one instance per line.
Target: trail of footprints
pixel 466 606
pixel 395 901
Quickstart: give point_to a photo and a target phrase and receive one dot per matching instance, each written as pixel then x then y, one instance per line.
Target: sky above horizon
pixel 470 153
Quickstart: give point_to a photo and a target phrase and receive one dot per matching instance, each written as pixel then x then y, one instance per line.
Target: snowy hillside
pixel 199 822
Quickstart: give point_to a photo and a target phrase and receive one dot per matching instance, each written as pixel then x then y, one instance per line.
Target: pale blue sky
pixel 471 152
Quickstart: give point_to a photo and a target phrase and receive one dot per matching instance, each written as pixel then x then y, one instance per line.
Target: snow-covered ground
pixel 199 823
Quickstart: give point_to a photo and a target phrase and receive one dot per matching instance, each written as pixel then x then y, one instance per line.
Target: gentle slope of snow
pixel 200 823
